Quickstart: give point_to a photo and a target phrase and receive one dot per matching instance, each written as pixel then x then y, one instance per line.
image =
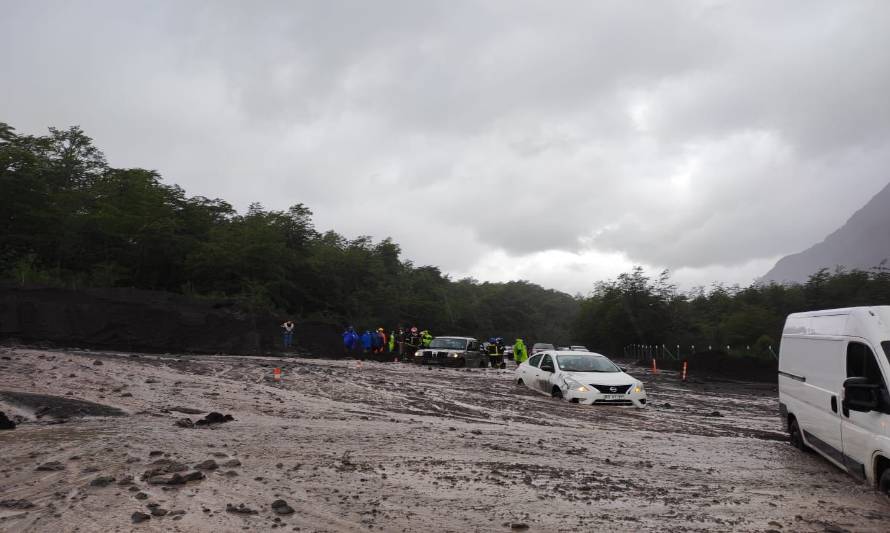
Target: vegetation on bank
pixel 69 219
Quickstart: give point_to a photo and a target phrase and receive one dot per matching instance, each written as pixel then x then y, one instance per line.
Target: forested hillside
pixel 68 219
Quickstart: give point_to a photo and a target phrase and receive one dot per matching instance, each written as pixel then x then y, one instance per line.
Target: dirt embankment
pixel 395 447
pixel 148 321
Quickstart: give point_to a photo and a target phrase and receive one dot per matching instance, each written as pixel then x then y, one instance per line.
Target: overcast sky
pixel 559 142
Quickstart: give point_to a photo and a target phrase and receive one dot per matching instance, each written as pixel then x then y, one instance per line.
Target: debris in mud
pixel 141 496
pixel 232 463
pixel 139 517
pixel 209 464
pixel 184 423
pixel 102 481
pixel 195 476
pixel 281 507
pixel 241 509
pixel 518 526
pixel 50 467
pixel 214 418
pixel 715 414
pixel 58 406
pixel 164 466
pixel 6 423
pixel 98 362
pixel 156 510
pixel 16 504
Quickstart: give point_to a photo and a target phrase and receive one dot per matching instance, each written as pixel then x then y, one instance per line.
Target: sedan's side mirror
pixel 861 395
pixel 621 368
pixel 547 368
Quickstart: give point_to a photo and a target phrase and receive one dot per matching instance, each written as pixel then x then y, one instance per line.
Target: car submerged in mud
pixel 581 377
pixel 453 351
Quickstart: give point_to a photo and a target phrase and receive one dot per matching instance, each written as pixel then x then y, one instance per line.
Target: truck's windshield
pixel 449 344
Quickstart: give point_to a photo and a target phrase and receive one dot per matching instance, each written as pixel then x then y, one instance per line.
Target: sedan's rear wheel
pixel 556 393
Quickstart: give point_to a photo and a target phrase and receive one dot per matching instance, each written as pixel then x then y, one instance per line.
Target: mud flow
pixel 112 442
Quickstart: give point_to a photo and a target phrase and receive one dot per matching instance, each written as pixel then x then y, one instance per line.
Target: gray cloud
pixel 701 136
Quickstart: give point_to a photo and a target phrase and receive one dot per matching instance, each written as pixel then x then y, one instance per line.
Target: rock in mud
pixel 50 467
pixel 231 463
pixel 715 414
pixel 157 511
pixel 281 507
pixel 209 464
pixel 6 423
pixel 139 517
pixel 102 481
pixel 16 504
pixel 141 496
pixel 184 423
pixel 126 480
pixel 518 526
pixel 214 418
pixel 98 362
pixel 187 410
pixel 175 479
pixel 241 509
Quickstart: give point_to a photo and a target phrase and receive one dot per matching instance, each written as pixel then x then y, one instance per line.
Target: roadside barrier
pixel 276 374
pixel 684 369
pixel 654 368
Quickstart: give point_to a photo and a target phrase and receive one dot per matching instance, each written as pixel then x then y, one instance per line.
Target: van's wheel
pixel 884 482
pixel 796 436
pixel 556 393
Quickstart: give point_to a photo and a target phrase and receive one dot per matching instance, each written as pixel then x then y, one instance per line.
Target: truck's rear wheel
pixel 796 436
pixel 884 482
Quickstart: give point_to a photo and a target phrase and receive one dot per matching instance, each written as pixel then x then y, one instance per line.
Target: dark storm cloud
pixel 690 135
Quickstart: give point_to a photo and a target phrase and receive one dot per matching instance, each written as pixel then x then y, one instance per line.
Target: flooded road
pixel 397 447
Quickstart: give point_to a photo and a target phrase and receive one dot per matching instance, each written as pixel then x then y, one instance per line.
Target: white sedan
pixel 581 377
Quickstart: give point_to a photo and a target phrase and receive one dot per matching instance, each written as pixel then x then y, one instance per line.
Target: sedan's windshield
pixel 585 363
pixel 448 344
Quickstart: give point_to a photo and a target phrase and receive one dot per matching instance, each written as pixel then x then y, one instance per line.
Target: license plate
pixel 613 397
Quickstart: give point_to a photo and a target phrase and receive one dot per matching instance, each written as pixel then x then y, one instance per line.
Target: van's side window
pixel 861 362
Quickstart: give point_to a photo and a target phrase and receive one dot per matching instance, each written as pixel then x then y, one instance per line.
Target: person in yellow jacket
pixel 520 355
pixel 426 338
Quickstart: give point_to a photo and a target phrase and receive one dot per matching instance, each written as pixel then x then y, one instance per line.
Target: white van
pixel 833 375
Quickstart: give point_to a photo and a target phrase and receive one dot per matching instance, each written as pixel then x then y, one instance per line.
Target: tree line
pixel 69 219
pixel 638 309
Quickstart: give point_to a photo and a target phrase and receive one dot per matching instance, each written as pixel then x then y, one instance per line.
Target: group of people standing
pixel 399 341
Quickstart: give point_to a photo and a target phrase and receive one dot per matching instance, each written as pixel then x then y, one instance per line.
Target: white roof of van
pixel 866 322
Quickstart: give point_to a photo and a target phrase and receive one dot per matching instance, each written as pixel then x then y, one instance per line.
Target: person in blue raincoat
pixel 350 340
pixel 368 340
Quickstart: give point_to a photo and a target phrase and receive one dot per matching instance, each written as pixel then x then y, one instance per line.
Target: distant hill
pixel 862 243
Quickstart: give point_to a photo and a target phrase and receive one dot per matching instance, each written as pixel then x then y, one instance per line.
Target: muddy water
pixel 404 448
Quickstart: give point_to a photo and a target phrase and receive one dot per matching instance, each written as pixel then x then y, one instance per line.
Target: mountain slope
pixel 863 242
